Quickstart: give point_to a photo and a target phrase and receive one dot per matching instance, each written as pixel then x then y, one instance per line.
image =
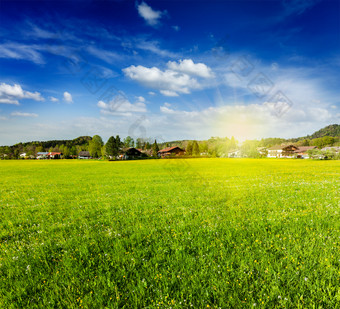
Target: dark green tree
pixel 66 152
pixel 203 147
pixel 147 146
pixel 189 149
pixel 195 149
pixel 95 146
pixel 110 147
pixel 129 142
pixel 139 143
pixel 155 149
pixel 73 151
pixel 39 149
pixel 119 144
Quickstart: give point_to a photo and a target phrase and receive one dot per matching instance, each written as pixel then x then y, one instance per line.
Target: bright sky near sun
pixel 168 69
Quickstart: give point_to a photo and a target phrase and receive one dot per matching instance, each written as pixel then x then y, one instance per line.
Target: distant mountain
pixel 331 130
pixel 81 140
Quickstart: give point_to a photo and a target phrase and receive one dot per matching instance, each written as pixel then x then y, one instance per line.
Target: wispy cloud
pixel 107 56
pixel 22 52
pixel 35 52
pixel 21 114
pixel 298 6
pixel 153 46
pixel 38 32
pixel 120 105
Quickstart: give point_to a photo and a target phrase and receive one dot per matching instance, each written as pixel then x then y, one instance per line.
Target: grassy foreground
pixel 200 233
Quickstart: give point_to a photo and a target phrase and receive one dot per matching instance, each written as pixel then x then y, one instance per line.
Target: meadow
pixel 196 233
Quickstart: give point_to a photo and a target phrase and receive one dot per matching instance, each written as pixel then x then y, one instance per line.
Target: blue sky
pixel 168 69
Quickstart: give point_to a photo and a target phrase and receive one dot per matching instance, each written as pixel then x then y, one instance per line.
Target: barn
pixel 171 151
pixel 130 153
pixel 84 155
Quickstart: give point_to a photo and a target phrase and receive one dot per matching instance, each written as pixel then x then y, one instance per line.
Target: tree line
pixel 213 147
pixel 71 148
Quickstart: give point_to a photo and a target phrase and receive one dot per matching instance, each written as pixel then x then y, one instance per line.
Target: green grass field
pixel 199 233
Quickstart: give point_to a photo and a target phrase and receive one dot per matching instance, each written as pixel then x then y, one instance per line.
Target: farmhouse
pixel 42 155
pixel 287 151
pixel 54 155
pixel 84 155
pixel 262 151
pixel 147 152
pixel 336 149
pixel 302 152
pixel 171 151
pixel 234 154
pixel 130 153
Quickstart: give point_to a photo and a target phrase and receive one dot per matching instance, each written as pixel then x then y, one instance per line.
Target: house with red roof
pixel 302 152
pixel 54 155
pixel 171 151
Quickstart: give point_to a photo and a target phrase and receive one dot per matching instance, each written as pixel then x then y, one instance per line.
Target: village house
pixel 336 149
pixel 146 152
pixel 302 152
pixel 278 151
pixel 171 151
pixel 262 151
pixel 130 153
pixel 234 154
pixel 54 155
pixel 84 155
pixel 42 155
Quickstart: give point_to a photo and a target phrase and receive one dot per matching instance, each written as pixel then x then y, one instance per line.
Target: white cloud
pixel 68 97
pixel 151 93
pixel 120 105
pixel 169 93
pixel 53 99
pixel 176 28
pixel 166 110
pixel 12 94
pixel 169 82
pixel 151 16
pixel 141 99
pixel 172 81
pixel 251 121
pixel 20 114
pixel 9 101
pixel 189 67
